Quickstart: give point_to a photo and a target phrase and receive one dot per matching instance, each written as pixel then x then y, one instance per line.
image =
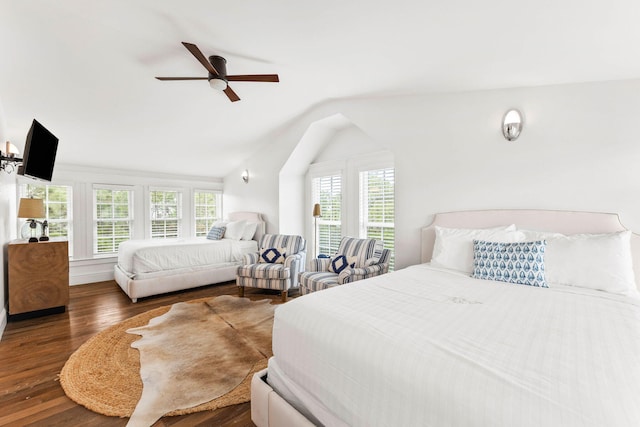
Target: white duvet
pixel 427 347
pixel 147 256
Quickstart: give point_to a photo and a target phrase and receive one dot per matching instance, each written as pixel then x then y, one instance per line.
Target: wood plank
pixel 33 351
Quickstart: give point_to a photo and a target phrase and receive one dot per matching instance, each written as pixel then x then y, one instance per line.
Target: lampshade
pixel 10 149
pixel 316 210
pixel 31 208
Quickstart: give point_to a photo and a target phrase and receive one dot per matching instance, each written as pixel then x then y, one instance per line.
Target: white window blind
pixel 166 213
pixel 377 207
pixel 207 210
pixel 327 190
pixel 57 201
pixel 112 218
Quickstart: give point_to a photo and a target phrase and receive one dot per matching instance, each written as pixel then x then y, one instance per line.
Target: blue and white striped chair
pixel 259 271
pixel 369 254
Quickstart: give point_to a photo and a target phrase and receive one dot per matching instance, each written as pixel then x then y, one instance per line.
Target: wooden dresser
pixel 38 276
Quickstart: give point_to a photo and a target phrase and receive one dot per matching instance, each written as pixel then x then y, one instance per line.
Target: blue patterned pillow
pixel 521 262
pixel 340 262
pixel 273 255
pixel 216 233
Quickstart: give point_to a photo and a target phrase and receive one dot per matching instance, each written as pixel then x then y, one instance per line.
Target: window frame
pixel 194 206
pixel 180 192
pixel 364 208
pixel 95 220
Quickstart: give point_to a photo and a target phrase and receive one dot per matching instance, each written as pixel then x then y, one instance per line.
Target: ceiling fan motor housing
pixel 220 64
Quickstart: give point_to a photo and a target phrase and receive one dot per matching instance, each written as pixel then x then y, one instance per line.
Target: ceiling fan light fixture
pixel 217 84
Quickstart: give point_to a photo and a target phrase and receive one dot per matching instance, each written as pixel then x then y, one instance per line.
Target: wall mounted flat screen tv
pixel 39 153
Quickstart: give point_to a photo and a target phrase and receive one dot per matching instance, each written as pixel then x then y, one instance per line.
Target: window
pixel 327 190
pixel 166 213
pixel 58 209
pixel 377 210
pixel 112 218
pixel 206 206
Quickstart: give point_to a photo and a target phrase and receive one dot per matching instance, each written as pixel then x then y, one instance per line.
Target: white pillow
pixel 234 230
pixel 453 247
pixel 249 230
pixel 593 261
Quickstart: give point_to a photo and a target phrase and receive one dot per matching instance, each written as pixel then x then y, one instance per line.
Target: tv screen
pixel 39 153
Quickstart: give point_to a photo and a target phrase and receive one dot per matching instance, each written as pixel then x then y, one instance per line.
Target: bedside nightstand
pixel 38 276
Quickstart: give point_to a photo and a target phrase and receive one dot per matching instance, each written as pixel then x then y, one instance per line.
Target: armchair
pixel 276 265
pixel 356 259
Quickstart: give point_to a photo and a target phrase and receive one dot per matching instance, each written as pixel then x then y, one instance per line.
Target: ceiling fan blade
pixel 254 78
pixel 233 97
pixel 200 57
pixel 182 78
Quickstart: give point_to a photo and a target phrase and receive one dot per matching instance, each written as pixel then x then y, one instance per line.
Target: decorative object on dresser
pixel 38 276
pixel 31 209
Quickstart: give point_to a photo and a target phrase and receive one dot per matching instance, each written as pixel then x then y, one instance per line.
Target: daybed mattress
pixel 142 257
pixel 428 347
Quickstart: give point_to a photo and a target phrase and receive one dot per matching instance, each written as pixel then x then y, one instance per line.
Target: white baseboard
pixel 3 321
pixel 91 270
pixel 83 279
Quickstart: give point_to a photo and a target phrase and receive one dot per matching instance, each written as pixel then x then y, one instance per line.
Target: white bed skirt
pixel 173 282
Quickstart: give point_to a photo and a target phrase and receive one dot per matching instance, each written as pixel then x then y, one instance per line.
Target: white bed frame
pixel 268 409
pixel 176 282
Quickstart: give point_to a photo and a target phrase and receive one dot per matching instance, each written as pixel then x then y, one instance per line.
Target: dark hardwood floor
pixel 33 351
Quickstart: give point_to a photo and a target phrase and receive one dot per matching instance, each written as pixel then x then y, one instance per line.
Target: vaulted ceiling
pixel 86 69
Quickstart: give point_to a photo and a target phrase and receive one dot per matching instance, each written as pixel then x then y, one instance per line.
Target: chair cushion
pixel 264 271
pixel 340 262
pixel 273 255
pixel 314 281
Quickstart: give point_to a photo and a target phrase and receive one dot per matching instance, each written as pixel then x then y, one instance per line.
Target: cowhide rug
pixel 191 357
pixel 197 352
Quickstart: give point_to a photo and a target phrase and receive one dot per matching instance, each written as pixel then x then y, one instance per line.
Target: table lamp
pixel 31 209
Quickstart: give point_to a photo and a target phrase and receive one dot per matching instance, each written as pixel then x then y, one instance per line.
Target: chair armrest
pixel 349 275
pixel 250 258
pixel 290 259
pixel 319 264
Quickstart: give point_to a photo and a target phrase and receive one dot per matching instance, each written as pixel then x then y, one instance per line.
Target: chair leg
pixel 284 295
pixel 240 291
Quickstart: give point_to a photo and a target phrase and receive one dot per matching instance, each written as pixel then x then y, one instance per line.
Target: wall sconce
pixel 8 157
pixel 245 176
pixel 512 125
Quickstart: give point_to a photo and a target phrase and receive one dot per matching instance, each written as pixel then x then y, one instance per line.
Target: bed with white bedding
pixel 431 346
pixel 152 267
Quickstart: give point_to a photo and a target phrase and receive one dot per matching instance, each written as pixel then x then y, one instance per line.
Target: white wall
pixel 7 230
pixel 578 150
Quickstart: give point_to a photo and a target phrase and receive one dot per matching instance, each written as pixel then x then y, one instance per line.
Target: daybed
pixel 153 267
pixel 429 345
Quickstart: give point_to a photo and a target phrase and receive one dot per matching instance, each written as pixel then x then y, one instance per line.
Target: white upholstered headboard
pixel 251 217
pixel 565 222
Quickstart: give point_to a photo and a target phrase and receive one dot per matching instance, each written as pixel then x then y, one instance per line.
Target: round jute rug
pixel 103 375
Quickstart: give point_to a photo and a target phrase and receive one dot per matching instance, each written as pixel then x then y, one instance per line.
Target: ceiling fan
pixel 218 78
